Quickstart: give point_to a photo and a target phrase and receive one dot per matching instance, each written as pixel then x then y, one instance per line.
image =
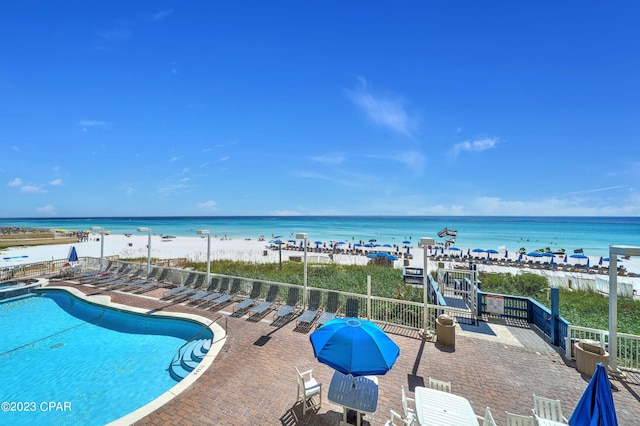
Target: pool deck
pixel 252 381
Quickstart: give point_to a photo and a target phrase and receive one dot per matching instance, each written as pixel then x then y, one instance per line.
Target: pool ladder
pixel 192 352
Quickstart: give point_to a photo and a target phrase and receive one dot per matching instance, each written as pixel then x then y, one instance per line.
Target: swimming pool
pixel 65 360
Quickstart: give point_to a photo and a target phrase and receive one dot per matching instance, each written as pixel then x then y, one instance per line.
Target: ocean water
pixel 592 234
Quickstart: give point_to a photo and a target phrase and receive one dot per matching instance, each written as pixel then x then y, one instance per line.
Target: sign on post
pixel 495 304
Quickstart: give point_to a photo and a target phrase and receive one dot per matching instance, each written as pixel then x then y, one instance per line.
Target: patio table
pixel 434 407
pixel 546 422
pixel 356 393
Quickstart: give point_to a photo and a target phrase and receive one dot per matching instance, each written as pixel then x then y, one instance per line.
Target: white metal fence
pixel 628 355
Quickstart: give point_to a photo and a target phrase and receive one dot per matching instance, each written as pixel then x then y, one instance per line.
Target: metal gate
pixel 459 289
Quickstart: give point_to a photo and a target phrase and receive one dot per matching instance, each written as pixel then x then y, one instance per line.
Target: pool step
pixel 192 354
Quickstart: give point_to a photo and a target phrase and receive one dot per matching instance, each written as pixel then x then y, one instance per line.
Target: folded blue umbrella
pixel 596 407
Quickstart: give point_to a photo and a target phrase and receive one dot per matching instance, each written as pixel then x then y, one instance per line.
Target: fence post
pixel 555 315
pixel 368 297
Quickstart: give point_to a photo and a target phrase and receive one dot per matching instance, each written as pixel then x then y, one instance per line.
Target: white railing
pixel 628 355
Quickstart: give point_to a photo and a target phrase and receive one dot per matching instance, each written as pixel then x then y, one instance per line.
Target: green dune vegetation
pixel 586 309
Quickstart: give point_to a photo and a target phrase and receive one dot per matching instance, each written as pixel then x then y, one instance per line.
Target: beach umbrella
pixel 600 261
pixel 506 253
pixel 477 250
pixel 368 245
pixel 372 240
pixel 277 236
pixel 406 242
pixel 386 245
pixel 291 241
pixel 354 346
pixel 372 255
pixel 565 258
pixel 534 254
pixel 596 407
pixel 408 249
pixel 73 255
pixel 318 243
pixel 391 257
pixel 520 257
pixel 454 249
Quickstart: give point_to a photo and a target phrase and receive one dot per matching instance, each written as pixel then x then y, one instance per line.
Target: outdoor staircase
pixel 188 358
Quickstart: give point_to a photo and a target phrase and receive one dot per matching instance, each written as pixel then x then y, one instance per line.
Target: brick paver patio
pixel 252 381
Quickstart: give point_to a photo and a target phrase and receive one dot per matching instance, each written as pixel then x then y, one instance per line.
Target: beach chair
pixel 251 300
pixel 269 301
pixel 330 311
pixel 289 307
pixel 440 385
pixel 310 314
pixel 518 420
pixel 180 296
pixel 213 285
pixel 226 298
pixel 352 308
pixel 151 283
pixel 548 409
pixel 225 285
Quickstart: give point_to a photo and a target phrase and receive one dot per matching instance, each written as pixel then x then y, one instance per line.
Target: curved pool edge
pixel 219 335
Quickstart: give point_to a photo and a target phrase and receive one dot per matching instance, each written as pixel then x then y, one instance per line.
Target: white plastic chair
pixel 440 385
pixel 549 409
pixel 408 404
pixel 407 421
pixel 518 420
pixel 308 388
pixel 487 420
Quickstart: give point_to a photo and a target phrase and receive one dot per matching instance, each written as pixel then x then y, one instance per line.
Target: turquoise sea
pixel 592 234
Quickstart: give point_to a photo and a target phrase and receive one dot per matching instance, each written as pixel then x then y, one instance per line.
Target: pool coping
pixel 219 333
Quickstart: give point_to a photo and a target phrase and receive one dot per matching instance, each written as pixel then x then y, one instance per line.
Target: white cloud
pixel 92 123
pixel 169 189
pixel 476 145
pixel 159 16
pixel 48 209
pixel 225 158
pixel 15 182
pixel 334 159
pixel 174 159
pixel 591 191
pixel 412 159
pixel 116 34
pixel 383 110
pixel 33 189
pixel 285 213
pixel 209 206
pixel 56 182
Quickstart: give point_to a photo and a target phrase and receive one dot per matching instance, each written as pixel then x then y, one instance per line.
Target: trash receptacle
pixel 588 353
pixel 265 253
pixel 446 330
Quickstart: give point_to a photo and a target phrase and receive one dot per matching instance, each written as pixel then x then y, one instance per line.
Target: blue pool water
pixel 95 364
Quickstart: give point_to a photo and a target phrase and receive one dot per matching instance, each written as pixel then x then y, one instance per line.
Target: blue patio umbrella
pixel 534 254
pixel 520 257
pixel 386 245
pixel 357 245
pixel 477 250
pixel 406 242
pixel 506 253
pixel 354 346
pixel 600 261
pixel 490 252
pixel 372 255
pixel 317 243
pixel 291 241
pixel 579 256
pixel 277 236
pixel 565 258
pixel 454 248
pixel 391 257
pixel 596 407
pixel 73 255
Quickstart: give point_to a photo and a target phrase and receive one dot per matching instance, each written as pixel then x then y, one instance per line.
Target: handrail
pixel 203 328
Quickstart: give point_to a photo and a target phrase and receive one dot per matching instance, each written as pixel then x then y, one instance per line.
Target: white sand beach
pixel 253 250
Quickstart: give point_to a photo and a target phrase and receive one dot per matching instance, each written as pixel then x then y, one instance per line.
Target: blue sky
pixel 319 108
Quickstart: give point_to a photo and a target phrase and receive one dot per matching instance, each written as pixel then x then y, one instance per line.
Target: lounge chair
pixel 331 310
pixel 224 289
pixel 182 295
pixel 251 300
pixel 310 314
pixel 289 307
pixel 352 308
pixel 226 298
pixel 269 301
pixel 212 289
pixel 150 284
